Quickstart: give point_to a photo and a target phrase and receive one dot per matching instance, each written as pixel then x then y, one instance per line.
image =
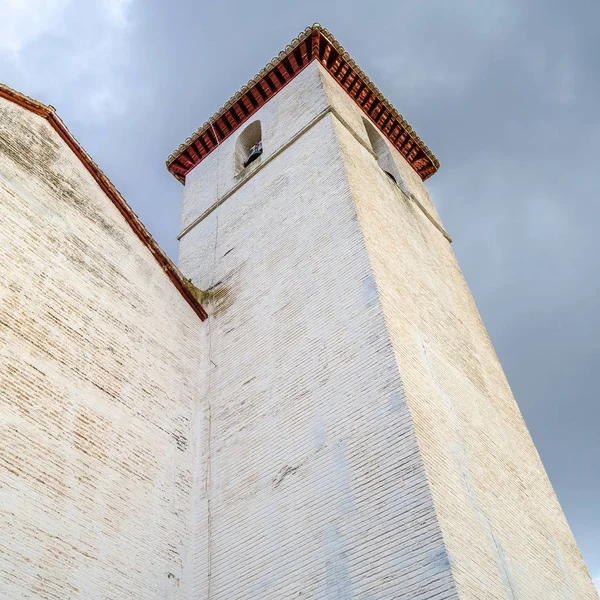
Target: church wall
pixel 287 113
pixel 348 112
pixel 316 487
pixel 506 535
pixel 102 376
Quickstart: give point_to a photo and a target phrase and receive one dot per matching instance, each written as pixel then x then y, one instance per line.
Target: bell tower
pixel 359 438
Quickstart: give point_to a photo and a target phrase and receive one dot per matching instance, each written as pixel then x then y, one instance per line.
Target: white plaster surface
pixel 101 388
pixel 317 486
pixel 364 440
pixel 340 427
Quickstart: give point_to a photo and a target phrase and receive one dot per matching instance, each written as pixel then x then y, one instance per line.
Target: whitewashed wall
pixel 102 379
pixel 505 532
pixel 354 436
pixel 317 488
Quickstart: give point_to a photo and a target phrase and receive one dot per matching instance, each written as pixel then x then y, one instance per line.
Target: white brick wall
pixel 290 111
pixel 331 477
pixel 354 436
pixel 505 532
pixel 317 486
pixel 101 388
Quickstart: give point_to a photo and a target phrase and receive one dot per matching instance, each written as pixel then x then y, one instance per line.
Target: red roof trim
pixel 315 43
pixel 49 113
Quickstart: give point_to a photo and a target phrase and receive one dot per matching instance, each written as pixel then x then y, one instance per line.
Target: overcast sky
pixel 505 93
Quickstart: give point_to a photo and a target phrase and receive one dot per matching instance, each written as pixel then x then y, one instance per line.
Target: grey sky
pixel 505 93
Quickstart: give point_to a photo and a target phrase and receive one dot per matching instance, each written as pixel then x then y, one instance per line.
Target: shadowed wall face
pixel 102 378
pixel 503 527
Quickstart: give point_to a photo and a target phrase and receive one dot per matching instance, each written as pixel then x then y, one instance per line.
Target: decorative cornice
pixel 314 43
pixel 49 113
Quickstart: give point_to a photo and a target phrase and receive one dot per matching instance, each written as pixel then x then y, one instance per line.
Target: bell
pixel 255 152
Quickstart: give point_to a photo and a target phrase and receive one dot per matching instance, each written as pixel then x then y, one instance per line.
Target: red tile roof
pixel 315 43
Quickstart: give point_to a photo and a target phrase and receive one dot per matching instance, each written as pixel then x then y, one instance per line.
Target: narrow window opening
pixel 248 146
pixel 385 159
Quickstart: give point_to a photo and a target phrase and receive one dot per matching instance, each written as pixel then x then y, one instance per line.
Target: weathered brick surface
pixel 101 386
pixel 340 427
pixel 291 110
pixel 503 527
pixel 317 486
pixel 364 442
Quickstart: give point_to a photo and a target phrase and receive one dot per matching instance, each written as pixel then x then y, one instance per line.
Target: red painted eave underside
pixel 314 46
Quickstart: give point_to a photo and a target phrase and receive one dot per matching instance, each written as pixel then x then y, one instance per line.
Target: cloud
pixel 69 53
pixel 25 21
pixel 565 80
pixel 118 11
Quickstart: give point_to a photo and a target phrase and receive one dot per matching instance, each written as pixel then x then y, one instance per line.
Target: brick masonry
pixel 505 532
pixel 364 441
pixel 317 486
pixel 339 428
pixel 102 380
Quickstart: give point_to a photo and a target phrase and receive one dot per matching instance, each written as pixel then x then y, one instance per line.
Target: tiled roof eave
pixel 315 43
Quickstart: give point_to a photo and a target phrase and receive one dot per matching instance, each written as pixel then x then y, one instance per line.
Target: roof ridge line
pixel 48 112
